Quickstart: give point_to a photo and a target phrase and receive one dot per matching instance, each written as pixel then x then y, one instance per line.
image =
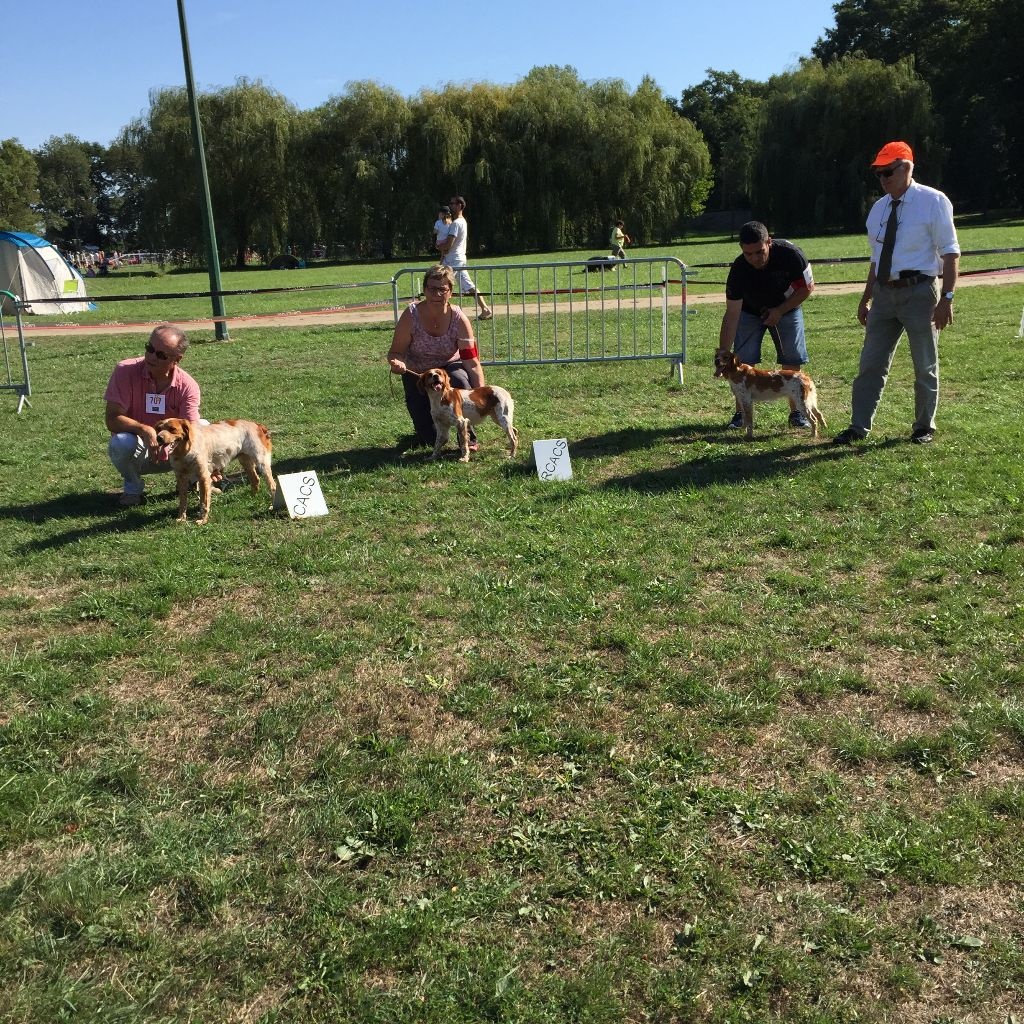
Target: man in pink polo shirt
pixel 142 392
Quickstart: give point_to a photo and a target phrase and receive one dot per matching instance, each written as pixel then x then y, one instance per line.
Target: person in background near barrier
pixel 433 334
pixel 444 219
pixel 913 241
pixel 619 239
pixel 453 249
pixel 766 286
pixel 141 392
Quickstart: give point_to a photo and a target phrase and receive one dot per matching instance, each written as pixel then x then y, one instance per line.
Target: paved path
pixel 382 314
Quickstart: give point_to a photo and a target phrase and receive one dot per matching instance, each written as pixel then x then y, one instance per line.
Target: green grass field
pixel 330 285
pixel 715 732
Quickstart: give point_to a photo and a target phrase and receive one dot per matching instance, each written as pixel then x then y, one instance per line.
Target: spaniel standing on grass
pixel 197 451
pixel 460 408
pixel 750 385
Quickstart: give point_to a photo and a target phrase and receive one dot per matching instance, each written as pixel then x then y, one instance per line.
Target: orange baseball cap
pixel 891 152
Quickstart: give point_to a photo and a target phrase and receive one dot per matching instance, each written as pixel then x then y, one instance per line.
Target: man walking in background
pixel 764 291
pixel 913 241
pixel 453 249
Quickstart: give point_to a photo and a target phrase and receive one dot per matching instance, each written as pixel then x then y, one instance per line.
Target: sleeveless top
pixel 431 351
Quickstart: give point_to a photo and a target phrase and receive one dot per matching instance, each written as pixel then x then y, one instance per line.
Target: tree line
pixel 943 75
pixel 551 161
pixel 547 163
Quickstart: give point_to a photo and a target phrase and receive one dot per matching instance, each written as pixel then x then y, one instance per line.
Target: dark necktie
pixel 888 244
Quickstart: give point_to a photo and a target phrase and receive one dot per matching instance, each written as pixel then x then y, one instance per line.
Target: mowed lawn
pixel 717 731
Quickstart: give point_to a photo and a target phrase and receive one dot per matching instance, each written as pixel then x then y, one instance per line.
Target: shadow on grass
pixel 65 506
pixel 352 460
pixel 615 442
pixel 739 462
pixel 98 506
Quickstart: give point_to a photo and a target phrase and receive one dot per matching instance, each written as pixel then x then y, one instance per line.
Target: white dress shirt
pixel 925 234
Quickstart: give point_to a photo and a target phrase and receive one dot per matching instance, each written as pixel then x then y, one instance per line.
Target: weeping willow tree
pixel 820 128
pixel 551 161
pixel 247 128
pixel 360 140
pixel 546 163
pixel 457 147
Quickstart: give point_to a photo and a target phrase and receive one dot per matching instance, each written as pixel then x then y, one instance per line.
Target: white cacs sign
pixel 300 495
pixel 552 459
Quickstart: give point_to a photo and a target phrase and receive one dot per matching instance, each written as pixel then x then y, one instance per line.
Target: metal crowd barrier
pixel 574 311
pixel 22 388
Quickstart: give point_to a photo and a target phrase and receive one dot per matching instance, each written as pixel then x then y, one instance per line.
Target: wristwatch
pixel 948 296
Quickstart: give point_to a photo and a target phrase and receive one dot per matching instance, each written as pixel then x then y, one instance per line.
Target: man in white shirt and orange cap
pixel 915 260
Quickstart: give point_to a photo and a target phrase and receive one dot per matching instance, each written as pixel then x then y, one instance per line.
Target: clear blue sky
pixel 86 69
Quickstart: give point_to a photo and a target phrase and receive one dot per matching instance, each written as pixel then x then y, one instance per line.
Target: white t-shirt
pixel 440 230
pixel 456 254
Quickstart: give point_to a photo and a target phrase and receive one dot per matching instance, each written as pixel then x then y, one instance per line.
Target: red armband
pixel 469 352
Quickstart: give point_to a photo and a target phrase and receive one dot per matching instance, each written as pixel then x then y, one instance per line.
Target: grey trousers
pixel 892 311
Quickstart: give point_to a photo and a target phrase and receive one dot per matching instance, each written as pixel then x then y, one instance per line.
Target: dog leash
pixel 391 378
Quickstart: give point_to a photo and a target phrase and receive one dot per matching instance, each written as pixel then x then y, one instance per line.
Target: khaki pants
pixel 894 310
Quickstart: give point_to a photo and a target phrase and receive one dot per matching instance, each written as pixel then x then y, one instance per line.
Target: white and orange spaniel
pixel 197 451
pixel 751 385
pixel 460 408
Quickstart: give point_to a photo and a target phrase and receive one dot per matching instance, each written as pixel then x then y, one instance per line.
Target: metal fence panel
pixel 23 387
pixel 573 311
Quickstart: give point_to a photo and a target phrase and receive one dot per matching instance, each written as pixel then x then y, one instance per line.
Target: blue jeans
pixel 130 456
pixel 788 336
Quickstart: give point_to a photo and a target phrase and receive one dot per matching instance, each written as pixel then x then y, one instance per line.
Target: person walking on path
pixel 618 240
pixel 913 241
pixel 453 249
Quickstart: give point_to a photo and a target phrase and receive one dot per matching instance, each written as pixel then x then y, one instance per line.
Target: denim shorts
pixel 788 337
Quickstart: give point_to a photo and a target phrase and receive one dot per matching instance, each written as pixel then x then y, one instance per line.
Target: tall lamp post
pixel 212 259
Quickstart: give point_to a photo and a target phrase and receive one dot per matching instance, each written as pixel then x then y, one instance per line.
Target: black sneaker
pixel 798 419
pixel 848 436
pixel 925 435
pixel 736 423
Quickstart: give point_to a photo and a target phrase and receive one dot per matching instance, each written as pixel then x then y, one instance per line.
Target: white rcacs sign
pixel 552 459
pixel 300 495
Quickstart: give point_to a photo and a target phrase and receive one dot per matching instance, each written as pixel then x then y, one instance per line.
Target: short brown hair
pixel 440 270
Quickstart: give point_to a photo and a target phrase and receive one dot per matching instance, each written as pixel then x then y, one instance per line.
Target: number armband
pixel 469 352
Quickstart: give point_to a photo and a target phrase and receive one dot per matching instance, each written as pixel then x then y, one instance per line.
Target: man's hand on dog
pixel 148 434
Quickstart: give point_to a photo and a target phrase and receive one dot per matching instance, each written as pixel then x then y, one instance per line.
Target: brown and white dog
pixel 750 385
pixel 459 408
pixel 197 451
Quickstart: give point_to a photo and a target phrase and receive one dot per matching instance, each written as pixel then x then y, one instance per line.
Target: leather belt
pixel 905 280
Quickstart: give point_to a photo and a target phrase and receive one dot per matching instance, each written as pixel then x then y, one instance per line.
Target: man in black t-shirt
pixel 764 290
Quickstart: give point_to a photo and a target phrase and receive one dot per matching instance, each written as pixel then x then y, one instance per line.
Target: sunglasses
pixel 889 171
pixel 162 356
pixel 439 288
